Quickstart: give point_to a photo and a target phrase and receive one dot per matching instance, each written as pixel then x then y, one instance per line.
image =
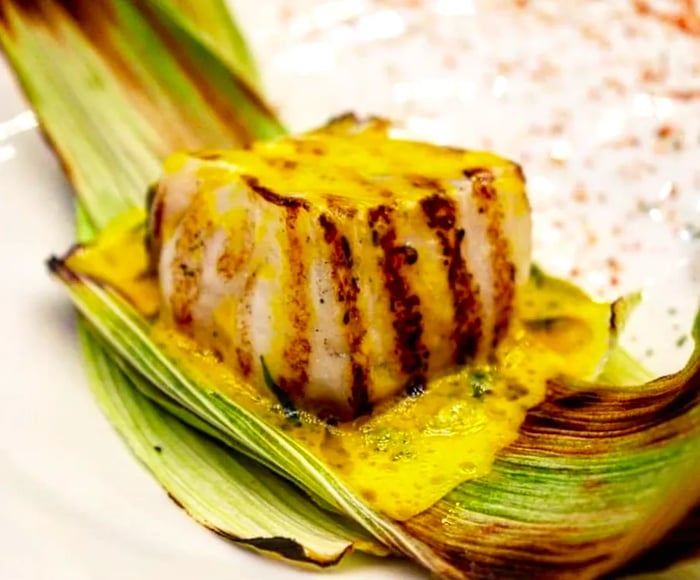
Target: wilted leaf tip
pixel 57 267
pixel 286 548
pixel 86 13
pixel 176 501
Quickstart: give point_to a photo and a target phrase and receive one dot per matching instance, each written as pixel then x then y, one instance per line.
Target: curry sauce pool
pixel 412 446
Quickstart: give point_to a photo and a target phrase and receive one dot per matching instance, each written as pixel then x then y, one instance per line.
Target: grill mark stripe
pixel 228 266
pixel 244 348
pixel 440 213
pixel 235 255
pixel 347 290
pixel 404 305
pixel 154 235
pixel 230 263
pixel 298 353
pixel 272 197
pixel 502 265
pixel 187 268
pixel 155 205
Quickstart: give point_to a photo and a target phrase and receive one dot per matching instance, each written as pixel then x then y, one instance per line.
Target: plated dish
pixel 611 281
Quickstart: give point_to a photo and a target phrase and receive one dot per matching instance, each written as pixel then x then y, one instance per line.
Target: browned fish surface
pixel 351 264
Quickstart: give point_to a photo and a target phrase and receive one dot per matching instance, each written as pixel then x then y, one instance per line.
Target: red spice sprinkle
pixel 613 264
pixel 673 191
pixel 687 20
pixel 449 60
pixel 651 74
pixel 684 94
pixel 664 131
pixel 557 127
pixel 580 194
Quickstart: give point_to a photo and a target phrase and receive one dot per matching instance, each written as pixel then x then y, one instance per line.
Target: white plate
pixel 599 104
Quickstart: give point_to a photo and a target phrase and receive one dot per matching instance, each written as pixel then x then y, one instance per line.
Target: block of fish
pixel 345 264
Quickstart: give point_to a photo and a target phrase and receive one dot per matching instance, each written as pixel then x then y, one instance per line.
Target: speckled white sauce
pixel 598 100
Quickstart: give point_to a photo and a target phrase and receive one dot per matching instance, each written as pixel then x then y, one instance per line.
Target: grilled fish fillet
pixel 352 265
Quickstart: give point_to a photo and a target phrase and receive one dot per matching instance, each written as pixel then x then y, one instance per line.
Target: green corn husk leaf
pixel 225 492
pixel 128 334
pixel 229 494
pixel 212 20
pixel 305 535
pixel 122 62
pixel 598 474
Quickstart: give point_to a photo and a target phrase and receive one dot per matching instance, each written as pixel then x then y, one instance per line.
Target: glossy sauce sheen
pixel 354 265
pixel 410 450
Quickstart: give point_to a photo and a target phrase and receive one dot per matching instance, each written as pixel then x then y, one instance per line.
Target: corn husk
pixel 226 492
pixel 216 486
pixel 600 471
pixel 135 61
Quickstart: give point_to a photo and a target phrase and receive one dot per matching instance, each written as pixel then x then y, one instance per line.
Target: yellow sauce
pixel 310 167
pixel 409 452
